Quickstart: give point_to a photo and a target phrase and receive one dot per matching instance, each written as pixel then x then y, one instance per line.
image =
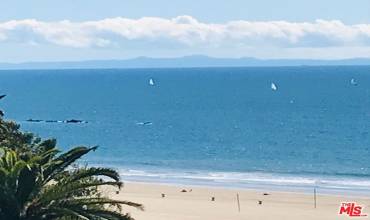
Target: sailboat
pixel 273 87
pixel 353 82
pixel 151 82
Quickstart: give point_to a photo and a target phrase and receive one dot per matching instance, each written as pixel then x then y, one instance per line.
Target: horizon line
pixel 182 57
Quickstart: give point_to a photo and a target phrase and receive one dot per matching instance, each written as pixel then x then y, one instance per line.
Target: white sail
pixel 273 87
pixel 151 82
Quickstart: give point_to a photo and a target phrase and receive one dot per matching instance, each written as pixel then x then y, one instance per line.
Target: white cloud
pixel 185 32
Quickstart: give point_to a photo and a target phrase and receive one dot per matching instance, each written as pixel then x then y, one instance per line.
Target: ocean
pixel 208 126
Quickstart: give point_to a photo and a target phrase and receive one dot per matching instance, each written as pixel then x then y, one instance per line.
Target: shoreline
pixel 269 188
pixel 196 203
pixel 280 182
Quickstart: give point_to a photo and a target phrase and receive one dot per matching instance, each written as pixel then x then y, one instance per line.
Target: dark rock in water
pixel 51 121
pixel 184 191
pixel 75 121
pixel 34 120
pixel 2 96
pixel 57 121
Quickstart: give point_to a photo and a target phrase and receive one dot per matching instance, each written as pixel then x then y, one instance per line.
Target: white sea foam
pixel 249 179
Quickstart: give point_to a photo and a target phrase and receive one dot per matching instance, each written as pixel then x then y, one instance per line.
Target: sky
pixel 47 30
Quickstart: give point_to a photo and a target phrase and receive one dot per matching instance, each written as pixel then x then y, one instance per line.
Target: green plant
pixel 38 182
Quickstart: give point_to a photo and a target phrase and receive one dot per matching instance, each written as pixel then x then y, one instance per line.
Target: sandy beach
pixel 196 203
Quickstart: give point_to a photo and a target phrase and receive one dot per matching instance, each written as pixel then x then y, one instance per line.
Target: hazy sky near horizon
pixel 44 30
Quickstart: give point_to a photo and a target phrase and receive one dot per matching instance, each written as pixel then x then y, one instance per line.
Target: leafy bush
pixel 38 182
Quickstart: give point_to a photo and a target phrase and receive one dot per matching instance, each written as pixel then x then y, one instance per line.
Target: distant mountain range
pixel 181 62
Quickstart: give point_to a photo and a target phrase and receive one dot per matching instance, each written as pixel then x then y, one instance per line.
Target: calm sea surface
pixel 212 126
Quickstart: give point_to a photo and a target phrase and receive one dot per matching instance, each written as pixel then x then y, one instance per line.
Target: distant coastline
pixel 195 61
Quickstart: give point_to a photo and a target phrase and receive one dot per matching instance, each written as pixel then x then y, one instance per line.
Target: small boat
pixel 151 82
pixel 145 123
pixel 353 82
pixel 273 87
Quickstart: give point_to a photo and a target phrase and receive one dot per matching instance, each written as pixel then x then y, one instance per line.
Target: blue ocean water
pixel 212 126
